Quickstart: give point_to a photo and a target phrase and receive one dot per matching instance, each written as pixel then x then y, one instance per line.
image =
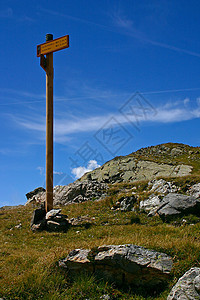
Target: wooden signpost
pixel 47 64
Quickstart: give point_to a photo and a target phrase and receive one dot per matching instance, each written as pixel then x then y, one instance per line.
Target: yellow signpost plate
pixel 52 46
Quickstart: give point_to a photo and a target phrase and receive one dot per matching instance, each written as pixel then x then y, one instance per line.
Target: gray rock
pixel 187 287
pixel 121 264
pixel 177 204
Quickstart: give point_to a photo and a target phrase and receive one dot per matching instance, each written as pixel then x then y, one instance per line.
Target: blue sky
pixel 129 79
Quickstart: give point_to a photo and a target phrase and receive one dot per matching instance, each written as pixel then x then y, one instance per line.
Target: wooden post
pixel 47 64
pixel 49 128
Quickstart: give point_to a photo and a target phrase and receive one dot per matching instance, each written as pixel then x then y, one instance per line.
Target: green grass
pixel 29 261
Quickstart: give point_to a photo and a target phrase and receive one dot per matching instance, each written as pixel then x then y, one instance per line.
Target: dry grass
pixel 29 261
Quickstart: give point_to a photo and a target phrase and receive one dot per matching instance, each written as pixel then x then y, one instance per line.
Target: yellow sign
pixel 52 46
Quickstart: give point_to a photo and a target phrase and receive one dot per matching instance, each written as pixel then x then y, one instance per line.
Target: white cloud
pixel 79 171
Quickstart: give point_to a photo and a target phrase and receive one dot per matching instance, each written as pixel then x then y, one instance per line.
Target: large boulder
pixel 123 264
pixel 178 204
pixel 171 205
pixel 187 287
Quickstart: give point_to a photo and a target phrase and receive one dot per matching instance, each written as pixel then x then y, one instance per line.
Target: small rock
pixel 105 297
pixel 52 213
pixel 18 226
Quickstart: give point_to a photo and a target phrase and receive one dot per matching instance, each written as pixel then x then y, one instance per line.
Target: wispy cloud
pixel 65 127
pixel 126 27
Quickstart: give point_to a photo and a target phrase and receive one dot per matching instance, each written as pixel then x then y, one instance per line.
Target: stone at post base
pixel 53 221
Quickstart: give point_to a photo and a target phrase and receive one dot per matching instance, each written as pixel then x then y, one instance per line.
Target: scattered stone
pixel 176 151
pixel 127 203
pixel 123 264
pixel 187 287
pixel 195 190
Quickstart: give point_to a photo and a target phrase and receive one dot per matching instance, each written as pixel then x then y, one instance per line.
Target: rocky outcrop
pixel 171 205
pixel 187 287
pixel 76 192
pixel 123 169
pixel 122 264
pixel 166 160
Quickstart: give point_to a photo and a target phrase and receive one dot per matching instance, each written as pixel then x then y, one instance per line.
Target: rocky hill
pixel 147 164
pixel 166 160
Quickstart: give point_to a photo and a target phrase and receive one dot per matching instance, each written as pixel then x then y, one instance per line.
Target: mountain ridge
pixel 168 159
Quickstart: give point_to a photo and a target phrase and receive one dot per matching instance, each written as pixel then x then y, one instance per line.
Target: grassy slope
pixel 29 260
